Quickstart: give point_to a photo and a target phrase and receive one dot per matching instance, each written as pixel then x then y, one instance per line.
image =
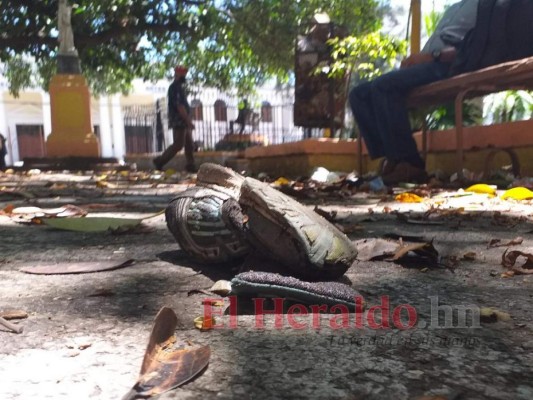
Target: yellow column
pixel 416 19
pixel 72 133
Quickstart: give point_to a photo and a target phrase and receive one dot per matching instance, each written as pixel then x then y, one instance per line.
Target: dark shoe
pixel 191 168
pixel 405 172
pixel 387 166
pixel 157 164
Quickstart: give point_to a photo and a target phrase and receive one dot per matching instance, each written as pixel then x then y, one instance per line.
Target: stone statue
pixel 66 37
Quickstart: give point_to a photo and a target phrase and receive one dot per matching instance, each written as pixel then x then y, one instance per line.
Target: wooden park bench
pixel 513 75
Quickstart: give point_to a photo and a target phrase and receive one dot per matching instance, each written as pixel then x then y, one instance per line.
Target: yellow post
pixel 416 19
pixel 72 133
pixel 70 102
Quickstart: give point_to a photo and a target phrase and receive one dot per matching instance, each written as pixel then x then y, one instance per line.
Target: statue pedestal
pixel 72 132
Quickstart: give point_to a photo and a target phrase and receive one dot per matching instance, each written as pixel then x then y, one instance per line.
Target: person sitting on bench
pixel 379 106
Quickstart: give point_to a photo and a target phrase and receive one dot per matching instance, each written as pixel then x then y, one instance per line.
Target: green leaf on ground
pixel 92 224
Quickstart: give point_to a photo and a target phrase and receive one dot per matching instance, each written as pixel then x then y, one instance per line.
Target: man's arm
pixel 447 55
pixel 185 116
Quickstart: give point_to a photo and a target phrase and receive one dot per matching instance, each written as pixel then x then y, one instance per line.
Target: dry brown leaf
pixel 509 259
pixel 222 288
pixel 8 210
pixel 470 256
pixel 82 267
pixel 371 249
pixel 166 366
pixel 13 314
pixel 422 249
pixel 328 215
pixel 498 242
pixel 204 324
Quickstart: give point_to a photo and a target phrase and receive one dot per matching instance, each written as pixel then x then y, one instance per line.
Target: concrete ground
pixel 85 335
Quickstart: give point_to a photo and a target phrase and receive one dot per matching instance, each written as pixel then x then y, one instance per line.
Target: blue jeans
pixel 380 111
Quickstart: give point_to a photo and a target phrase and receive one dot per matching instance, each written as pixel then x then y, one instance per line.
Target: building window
pixel 221 111
pixel 266 112
pixel 197 110
pixel 30 140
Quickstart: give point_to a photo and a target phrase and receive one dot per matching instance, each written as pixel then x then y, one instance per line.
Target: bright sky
pixel 427 7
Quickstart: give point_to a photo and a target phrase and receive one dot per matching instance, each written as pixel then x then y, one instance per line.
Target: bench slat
pixel 511 75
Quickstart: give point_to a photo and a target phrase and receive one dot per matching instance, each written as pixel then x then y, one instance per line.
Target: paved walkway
pixel 86 334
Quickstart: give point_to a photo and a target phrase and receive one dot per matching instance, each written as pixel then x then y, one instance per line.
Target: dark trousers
pixel 380 111
pixel 182 137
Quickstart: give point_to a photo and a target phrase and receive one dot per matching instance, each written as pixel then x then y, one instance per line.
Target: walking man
pixel 179 120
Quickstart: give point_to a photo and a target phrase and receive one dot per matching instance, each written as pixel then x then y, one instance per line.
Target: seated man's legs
pixel 363 110
pixel 383 117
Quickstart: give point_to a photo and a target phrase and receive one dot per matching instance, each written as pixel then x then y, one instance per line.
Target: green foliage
pixel 443 117
pixel 366 56
pixel 18 71
pixel 431 20
pixel 227 43
pixel 511 105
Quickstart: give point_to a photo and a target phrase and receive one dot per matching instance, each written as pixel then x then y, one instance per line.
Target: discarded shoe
pixel 279 228
pixel 405 172
pixel 194 217
pixel 267 284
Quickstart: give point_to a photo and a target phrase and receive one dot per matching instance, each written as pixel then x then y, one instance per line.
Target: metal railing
pixel 215 127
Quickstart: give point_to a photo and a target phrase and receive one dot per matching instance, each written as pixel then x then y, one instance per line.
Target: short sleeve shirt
pixel 453 26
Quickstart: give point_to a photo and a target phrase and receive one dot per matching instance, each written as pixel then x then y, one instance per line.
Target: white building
pixel 128 124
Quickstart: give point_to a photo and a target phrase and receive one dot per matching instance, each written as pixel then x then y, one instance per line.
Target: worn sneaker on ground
pixel 405 172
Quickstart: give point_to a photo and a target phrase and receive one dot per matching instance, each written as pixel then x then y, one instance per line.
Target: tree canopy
pixel 239 43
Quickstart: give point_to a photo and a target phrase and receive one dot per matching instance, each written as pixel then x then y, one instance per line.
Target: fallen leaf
pixel 77 267
pixel 408 198
pixel 509 260
pixel 204 324
pixel 423 250
pixel 164 366
pixel 328 215
pixel 399 252
pixel 487 314
pixel 92 224
pixel 498 243
pixel 470 256
pixel 222 288
pixel 281 181
pixel 517 193
pixel 8 209
pixel 482 188
pixel 30 214
pixel 104 184
pixel 371 249
pixel 13 314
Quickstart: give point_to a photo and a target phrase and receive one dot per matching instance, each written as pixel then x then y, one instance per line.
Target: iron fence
pixel 146 127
